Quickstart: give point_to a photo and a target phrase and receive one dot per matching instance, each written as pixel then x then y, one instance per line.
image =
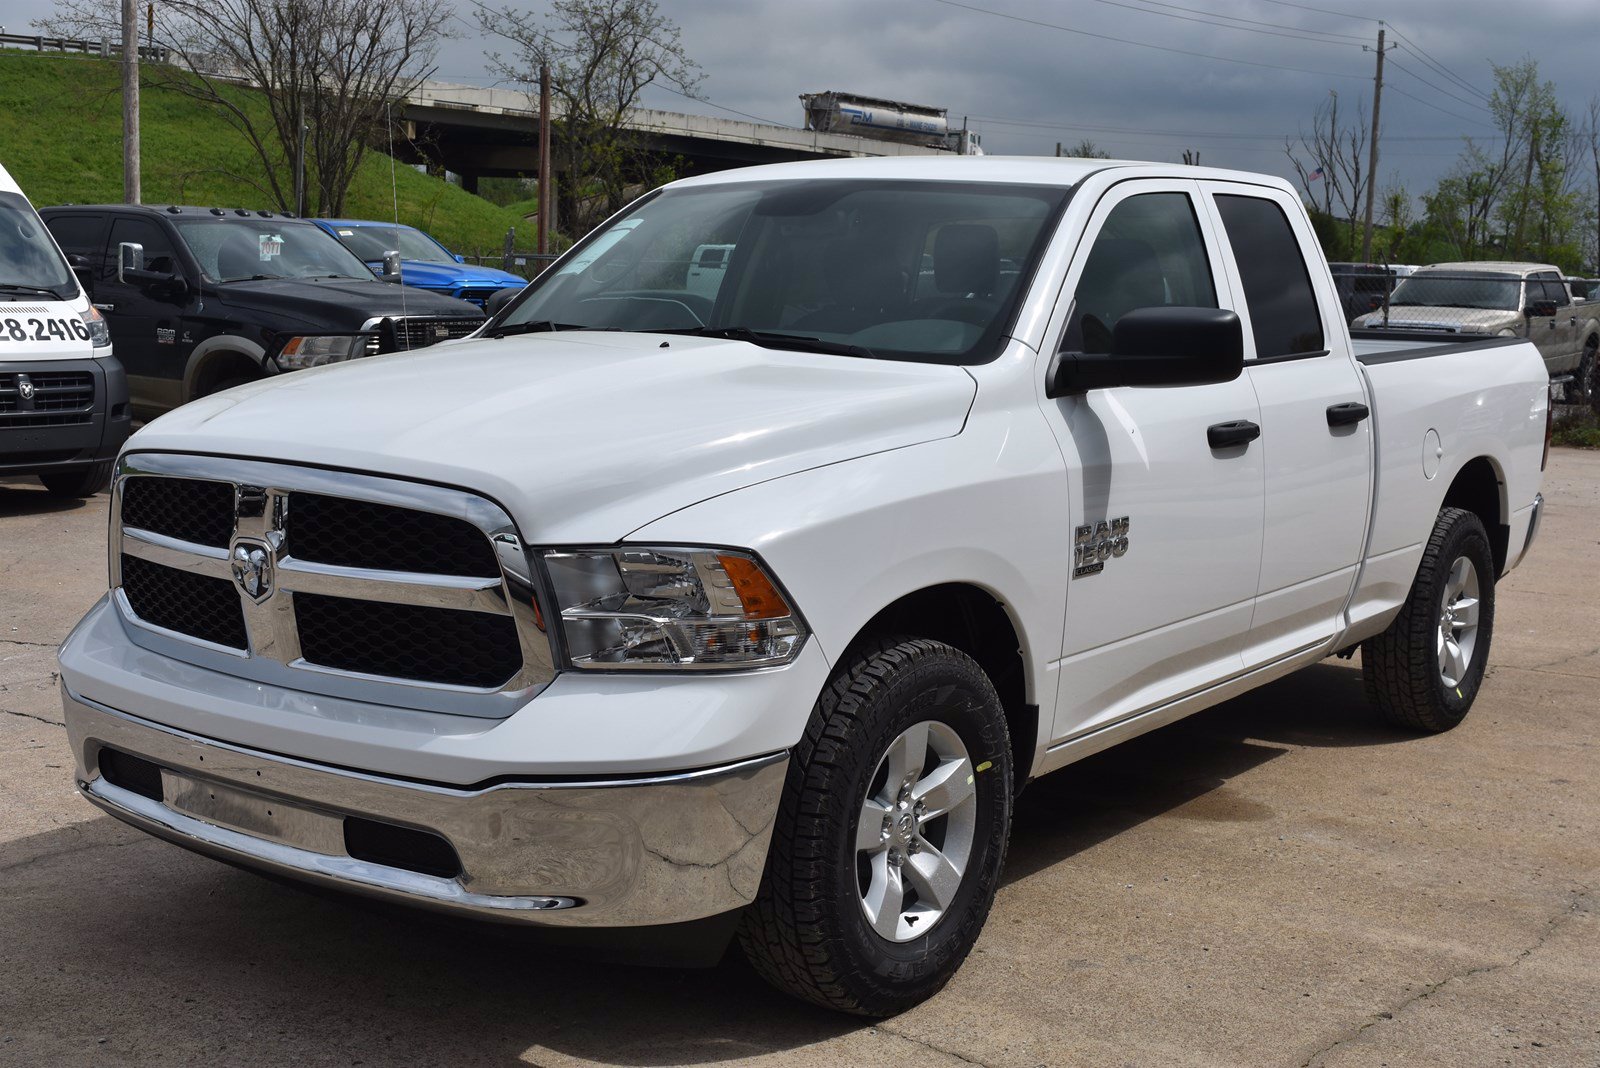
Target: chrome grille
pixel 357 586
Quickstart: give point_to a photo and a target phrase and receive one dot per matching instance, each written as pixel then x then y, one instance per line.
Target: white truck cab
pixel 63 396
pixel 751 605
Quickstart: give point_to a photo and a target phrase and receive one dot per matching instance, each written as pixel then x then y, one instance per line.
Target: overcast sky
pixel 1025 85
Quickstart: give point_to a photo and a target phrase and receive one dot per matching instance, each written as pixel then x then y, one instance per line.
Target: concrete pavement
pixel 1282 880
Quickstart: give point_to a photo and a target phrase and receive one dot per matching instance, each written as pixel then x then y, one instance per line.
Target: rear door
pixel 1166 546
pixel 1560 347
pixel 145 319
pixel 1316 430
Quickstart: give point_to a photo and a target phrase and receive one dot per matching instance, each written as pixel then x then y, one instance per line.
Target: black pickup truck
pixel 201 299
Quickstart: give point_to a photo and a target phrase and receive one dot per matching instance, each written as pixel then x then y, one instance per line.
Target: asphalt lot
pixel 1281 880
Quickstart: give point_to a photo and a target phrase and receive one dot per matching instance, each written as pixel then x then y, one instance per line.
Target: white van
pixel 63 396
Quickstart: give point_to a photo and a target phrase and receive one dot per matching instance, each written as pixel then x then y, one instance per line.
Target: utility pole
pixel 300 159
pixel 546 178
pixel 130 102
pixel 1372 158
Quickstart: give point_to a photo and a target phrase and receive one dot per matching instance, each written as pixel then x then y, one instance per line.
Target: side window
pixel 79 235
pixel 1149 253
pixel 1283 306
pixel 159 254
pixel 1553 288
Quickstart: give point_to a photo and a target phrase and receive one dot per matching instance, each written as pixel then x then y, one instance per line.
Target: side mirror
pixel 130 259
pixel 1156 347
pixel 460 258
pixel 1541 308
pixel 391 267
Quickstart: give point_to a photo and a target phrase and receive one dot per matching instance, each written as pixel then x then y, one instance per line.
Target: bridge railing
pixel 46 43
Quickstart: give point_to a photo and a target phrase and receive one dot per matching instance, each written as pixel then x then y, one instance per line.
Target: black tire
pixel 1586 380
pixel 807 932
pixel 1401 667
pixel 81 482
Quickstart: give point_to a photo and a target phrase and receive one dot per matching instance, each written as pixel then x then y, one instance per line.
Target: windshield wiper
pixel 537 326
pixel 17 287
pixel 773 340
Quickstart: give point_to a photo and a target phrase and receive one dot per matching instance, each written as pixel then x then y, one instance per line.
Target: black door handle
pixel 1347 414
pixel 1238 432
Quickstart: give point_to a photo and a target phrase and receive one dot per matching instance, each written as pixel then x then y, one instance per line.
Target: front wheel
pixel 83 482
pixel 1425 670
pixel 891 833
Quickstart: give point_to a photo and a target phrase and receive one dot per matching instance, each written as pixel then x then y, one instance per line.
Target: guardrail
pixel 103 48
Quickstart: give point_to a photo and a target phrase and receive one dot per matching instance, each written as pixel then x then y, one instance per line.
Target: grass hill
pixel 61 138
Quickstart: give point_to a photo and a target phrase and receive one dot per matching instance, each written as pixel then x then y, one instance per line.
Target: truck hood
pixel 426 274
pixel 46 325
pixel 1457 320
pixel 581 437
pixel 342 303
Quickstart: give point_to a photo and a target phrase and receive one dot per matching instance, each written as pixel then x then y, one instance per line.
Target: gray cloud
pixel 1026 87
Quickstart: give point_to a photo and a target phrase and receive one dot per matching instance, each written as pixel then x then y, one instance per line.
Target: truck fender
pixel 208 349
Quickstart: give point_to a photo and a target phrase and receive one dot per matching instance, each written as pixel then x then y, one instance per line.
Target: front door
pixel 1167 542
pixel 145 319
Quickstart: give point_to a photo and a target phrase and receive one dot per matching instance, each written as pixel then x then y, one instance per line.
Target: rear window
pixel 1277 288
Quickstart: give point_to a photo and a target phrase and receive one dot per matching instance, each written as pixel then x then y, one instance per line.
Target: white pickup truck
pixel 652 610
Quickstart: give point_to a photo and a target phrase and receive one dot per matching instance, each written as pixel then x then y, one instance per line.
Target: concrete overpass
pixel 477 132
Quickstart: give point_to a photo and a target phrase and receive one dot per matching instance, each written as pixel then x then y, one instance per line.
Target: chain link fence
pixel 1487 299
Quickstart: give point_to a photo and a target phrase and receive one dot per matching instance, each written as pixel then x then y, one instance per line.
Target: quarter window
pixel 1149 254
pixel 1272 266
pixel 78 235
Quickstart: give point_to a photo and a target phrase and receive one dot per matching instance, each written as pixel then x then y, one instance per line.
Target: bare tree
pixel 1087 149
pixel 1330 162
pixel 328 69
pixel 602 54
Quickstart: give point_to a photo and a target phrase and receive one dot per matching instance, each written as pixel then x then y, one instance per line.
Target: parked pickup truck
pixel 1529 300
pixel 63 395
pixel 754 610
pixel 201 299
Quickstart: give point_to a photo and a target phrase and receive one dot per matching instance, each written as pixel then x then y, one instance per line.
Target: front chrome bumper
pixel 623 853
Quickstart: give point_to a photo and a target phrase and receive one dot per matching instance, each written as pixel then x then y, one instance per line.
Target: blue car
pixel 425 263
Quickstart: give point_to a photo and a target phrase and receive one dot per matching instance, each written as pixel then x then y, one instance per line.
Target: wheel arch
pixel 972 619
pixel 214 358
pixel 1480 488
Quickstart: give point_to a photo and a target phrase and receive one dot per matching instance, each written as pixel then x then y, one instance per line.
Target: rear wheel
pixel 1586 380
pixel 891 833
pixel 1425 670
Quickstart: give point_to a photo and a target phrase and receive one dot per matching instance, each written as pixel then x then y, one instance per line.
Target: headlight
pixel 99 333
pixel 310 350
pixel 632 607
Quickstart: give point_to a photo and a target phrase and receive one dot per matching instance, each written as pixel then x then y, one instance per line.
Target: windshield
pixel 1482 289
pixel 371 242
pixel 29 260
pixel 238 249
pixel 904 270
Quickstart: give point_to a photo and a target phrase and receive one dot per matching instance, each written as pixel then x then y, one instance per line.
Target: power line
pixel 1144 44
pixel 1045 124
pixel 1325 11
pixel 1422 54
pixel 1296 33
pixel 1436 107
pixel 1438 89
